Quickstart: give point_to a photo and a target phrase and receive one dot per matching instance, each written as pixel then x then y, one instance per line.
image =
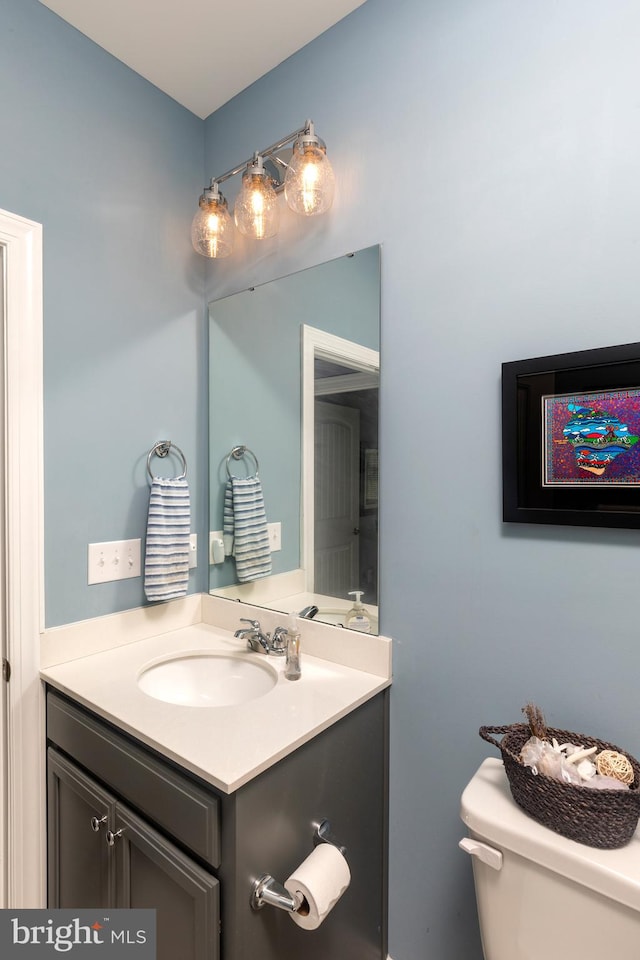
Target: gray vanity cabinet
pixel 152 873
pixel 177 841
pixel 80 863
pixel 103 854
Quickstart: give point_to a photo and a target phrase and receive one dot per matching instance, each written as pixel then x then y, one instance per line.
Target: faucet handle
pixel 254 623
pixel 279 640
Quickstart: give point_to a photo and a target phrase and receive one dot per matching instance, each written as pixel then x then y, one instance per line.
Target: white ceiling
pixel 202 52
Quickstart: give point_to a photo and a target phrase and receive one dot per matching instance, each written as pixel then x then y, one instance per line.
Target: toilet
pixel 541 896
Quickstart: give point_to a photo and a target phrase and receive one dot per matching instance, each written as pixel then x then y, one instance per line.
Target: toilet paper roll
pixel 320 880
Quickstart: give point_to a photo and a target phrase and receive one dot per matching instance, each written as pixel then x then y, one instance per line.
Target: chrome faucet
pixel 253 635
pixel 308 613
pixel 257 640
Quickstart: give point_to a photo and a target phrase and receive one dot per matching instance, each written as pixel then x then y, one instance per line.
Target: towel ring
pixel 238 453
pixel 161 449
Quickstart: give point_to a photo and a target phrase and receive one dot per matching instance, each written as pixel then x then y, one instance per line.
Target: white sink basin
pixel 207 679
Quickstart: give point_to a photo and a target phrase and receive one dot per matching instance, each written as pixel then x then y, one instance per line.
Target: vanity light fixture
pixel 211 229
pixel 256 210
pixel 306 177
pixel 309 181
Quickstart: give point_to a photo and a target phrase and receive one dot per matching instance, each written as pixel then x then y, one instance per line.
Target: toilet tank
pixel 541 896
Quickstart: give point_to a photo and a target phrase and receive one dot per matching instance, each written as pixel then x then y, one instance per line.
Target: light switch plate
pixel 113 560
pixel 193 551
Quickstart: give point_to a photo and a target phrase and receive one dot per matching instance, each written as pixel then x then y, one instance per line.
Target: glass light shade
pixel 211 228
pixel 256 208
pixel 309 182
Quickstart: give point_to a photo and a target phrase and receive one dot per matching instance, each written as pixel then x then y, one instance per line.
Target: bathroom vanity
pixel 185 819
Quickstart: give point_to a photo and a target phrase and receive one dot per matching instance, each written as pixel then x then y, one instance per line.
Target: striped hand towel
pixel 245 528
pixel 166 562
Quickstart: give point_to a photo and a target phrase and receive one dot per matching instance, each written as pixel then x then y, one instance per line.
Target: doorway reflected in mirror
pixel 346 502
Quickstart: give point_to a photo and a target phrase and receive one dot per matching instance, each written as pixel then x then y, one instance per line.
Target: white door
pixel 337 501
pixel 22 791
pixel 3 632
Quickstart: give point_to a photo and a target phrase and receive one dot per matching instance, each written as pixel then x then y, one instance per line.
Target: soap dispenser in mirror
pixel 357 617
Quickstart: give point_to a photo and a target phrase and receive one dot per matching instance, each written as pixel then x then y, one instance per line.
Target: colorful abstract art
pixel 592 439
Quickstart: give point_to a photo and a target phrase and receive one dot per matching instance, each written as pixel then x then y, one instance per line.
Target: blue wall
pixel 112 168
pixel 493 149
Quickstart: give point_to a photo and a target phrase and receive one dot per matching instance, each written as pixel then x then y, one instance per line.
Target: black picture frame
pixel 528 387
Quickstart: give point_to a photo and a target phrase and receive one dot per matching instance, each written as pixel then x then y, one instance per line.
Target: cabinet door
pixel 152 873
pixel 80 871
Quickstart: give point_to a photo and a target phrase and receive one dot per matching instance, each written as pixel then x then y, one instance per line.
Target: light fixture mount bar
pixel 267 152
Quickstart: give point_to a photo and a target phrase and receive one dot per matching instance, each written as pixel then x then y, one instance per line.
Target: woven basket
pixel 597 818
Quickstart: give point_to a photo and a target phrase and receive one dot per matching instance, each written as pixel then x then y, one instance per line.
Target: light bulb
pixel 256 210
pixel 211 229
pixel 309 182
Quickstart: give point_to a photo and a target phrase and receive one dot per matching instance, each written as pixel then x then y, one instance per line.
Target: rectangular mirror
pixel 293 382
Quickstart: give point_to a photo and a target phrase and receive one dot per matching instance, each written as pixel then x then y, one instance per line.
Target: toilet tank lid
pixel 491 814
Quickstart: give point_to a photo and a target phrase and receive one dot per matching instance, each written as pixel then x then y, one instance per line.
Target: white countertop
pixel 225 746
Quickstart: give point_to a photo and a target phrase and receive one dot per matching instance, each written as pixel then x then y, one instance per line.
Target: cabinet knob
pixel 97 823
pixel 112 837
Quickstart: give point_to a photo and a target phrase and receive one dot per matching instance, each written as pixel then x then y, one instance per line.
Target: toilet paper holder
pixel 267 890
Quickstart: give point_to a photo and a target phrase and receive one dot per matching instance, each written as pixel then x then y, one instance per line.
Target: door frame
pixel 24 766
pixel 320 344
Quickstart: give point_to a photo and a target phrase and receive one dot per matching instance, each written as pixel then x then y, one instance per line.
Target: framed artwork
pixel 571 438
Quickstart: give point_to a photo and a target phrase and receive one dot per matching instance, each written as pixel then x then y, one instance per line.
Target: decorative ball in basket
pixel 604 818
